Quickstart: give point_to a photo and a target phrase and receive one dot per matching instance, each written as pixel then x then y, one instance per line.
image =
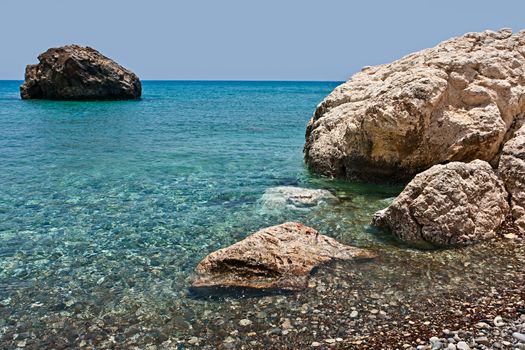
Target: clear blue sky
pixel 243 39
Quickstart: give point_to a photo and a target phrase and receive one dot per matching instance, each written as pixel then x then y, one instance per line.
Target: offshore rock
pixel 281 198
pixel 275 258
pixel 456 203
pixel 74 72
pixel 454 102
pixel 512 171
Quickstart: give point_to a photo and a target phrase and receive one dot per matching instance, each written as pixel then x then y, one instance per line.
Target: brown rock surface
pixel 453 102
pixel 275 258
pixel 74 72
pixel 456 203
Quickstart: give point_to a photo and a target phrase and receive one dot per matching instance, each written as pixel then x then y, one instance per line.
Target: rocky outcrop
pixel 512 171
pixel 456 203
pixel 281 198
pixel 454 102
pixel 78 73
pixel 275 258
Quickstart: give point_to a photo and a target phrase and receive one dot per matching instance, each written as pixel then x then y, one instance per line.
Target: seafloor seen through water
pixel 107 207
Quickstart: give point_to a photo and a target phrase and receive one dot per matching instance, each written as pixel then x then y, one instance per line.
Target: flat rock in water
pixel 456 203
pixel 74 72
pixel 275 258
pixel 454 102
pixel 280 198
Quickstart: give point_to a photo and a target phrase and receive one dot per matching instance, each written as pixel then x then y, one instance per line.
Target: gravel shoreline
pixel 356 313
pixel 476 321
pixel 402 300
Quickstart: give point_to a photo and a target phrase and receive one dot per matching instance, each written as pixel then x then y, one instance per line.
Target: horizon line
pixel 229 80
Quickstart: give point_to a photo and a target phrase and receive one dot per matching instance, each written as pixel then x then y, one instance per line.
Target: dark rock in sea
pixel 275 258
pixel 455 203
pixel 74 72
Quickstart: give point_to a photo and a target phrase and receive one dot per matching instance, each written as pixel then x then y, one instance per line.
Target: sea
pixel 107 207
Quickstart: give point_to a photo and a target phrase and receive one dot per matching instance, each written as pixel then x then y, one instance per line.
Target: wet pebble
pixel 519 336
pixel 245 322
pixel 276 331
pixel 193 341
pixel 498 321
pixel 462 346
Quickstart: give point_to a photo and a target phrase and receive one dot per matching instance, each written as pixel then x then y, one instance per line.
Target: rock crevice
pixel 511 168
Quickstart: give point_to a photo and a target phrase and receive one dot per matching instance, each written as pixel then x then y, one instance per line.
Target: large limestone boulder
pixel 454 102
pixel 275 258
pixel 276 200
pixel 78 73
pixel 512 172
pixel 456 203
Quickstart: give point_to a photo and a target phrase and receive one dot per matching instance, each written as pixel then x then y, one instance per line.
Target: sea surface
pixel 107 207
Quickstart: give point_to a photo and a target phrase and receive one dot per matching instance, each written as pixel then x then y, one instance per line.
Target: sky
pixel 243 39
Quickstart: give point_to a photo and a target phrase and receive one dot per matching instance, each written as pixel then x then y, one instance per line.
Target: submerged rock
pixel 275 258
pixel 278 199
pixel 512 171
pixel 74 72
pixel 454 102
pixel 456 203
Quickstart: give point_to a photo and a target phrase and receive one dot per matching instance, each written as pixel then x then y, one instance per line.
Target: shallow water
pixel 106 208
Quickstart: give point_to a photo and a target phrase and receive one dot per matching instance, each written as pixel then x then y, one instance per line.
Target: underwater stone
pixel 277 199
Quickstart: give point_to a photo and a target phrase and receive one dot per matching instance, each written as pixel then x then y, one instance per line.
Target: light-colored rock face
pixel 456 203
pixel 281 198
pixel 512 171
pixel 74 72
pixel 277 257
pixel 454 102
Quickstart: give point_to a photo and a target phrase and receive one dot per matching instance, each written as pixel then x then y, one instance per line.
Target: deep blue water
pixel 106 207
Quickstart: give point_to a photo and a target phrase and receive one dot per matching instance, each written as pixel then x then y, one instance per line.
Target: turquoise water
pixel 106 207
